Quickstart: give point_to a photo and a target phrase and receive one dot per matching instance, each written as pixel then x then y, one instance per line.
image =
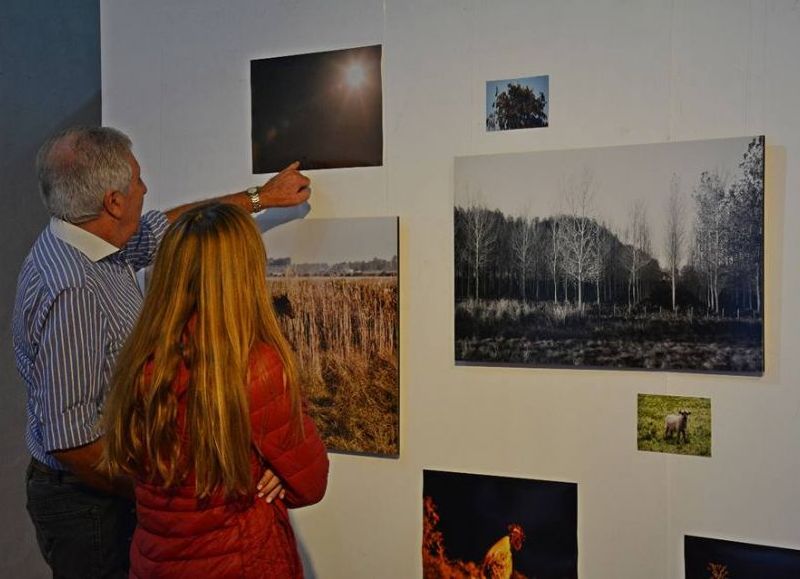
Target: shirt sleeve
pixel 275 216
pixel 70 363
pixel 141 248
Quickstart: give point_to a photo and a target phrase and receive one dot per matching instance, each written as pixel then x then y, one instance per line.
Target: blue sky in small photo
pixel 535 83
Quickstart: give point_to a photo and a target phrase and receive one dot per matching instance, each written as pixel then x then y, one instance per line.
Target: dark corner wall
pixel 49 79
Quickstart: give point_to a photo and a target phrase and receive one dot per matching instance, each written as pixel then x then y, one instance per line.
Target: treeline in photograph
pixel 672 280
pixel 283 266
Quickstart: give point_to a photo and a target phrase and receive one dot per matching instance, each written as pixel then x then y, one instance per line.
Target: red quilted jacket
pixel 180 537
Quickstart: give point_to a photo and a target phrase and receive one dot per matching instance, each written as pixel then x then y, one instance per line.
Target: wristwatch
pixel 255 199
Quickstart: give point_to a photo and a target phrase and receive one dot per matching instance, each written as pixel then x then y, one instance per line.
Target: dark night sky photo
pixel 323 109
pixel 475 511
pixel 743 560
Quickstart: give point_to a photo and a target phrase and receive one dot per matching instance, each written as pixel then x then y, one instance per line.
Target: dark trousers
pixel 82 533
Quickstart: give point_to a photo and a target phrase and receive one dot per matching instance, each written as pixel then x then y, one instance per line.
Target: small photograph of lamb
pixel 674 424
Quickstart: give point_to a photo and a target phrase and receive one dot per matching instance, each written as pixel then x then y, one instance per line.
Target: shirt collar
pixel 87 243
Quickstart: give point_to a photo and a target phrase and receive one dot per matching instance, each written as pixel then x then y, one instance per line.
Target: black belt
pixel 41 467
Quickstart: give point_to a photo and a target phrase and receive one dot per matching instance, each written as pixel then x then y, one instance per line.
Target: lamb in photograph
pixel 675 425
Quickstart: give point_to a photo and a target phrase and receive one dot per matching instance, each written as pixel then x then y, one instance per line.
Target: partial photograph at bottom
pixel 708 558
pixel 483 526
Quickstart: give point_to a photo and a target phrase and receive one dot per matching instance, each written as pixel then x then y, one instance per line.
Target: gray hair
pixel 77 166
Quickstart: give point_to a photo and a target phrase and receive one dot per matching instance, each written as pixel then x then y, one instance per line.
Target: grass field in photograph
pixel 344 333
pixel 546 334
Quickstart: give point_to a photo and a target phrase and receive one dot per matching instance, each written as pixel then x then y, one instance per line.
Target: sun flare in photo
pixel 355 75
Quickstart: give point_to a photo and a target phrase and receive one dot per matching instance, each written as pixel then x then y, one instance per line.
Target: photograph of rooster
pixel 493 527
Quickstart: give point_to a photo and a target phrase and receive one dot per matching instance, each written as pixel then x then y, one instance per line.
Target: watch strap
pixel 255 199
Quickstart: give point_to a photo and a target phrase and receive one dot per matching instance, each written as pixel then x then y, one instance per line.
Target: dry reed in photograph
pixel 344 332
pixel 335 287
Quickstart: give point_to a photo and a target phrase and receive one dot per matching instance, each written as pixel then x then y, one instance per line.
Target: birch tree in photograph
pixel 523 247
pixel 579 233
pixel 636 236
pixel 480 236
pixel 555 253
pixel 675 234
pixel 747 216
pixel 461 253
pixel 540 258
pixel 643 242
pixel 603 250
pixel 712 229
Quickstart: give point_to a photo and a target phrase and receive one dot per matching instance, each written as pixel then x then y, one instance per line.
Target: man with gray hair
pixel 77 301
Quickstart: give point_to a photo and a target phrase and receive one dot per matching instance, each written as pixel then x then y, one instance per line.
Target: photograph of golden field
pixel 338 307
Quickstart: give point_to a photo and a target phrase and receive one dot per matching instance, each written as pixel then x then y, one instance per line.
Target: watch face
pixel 252 190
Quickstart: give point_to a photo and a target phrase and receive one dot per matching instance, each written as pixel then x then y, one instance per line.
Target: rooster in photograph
pixel 498 562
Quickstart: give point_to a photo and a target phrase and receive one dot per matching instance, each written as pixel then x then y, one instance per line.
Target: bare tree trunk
pixel 477 249
pixel 597 291
pixel 555 284
pixel 674 241
pixel 630 294
pixel 674 304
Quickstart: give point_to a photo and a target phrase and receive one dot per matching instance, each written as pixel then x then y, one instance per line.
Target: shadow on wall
pixel 305 557
pixel 50 80
pixel 22 218
pixel 774 212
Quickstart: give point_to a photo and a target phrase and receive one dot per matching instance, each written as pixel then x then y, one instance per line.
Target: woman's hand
pixel 270 487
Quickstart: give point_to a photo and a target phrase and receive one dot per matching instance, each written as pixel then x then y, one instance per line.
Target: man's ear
pixel 113 203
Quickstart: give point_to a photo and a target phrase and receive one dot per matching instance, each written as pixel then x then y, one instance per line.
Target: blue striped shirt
pixel 72 314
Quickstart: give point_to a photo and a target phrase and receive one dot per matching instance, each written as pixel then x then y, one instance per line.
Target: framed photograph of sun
pixel 324 109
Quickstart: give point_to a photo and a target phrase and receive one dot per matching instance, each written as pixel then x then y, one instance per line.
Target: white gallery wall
pixel 176 78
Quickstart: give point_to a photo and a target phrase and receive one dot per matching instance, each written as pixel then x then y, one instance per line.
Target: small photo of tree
pixel 519 103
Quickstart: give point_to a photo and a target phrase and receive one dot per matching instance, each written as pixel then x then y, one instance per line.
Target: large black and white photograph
pixel 640 257
pixel 324 109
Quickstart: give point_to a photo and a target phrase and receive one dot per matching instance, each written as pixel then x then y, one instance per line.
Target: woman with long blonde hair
pixel 205 396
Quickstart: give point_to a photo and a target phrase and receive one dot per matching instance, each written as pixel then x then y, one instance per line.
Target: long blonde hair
pixel 210 269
